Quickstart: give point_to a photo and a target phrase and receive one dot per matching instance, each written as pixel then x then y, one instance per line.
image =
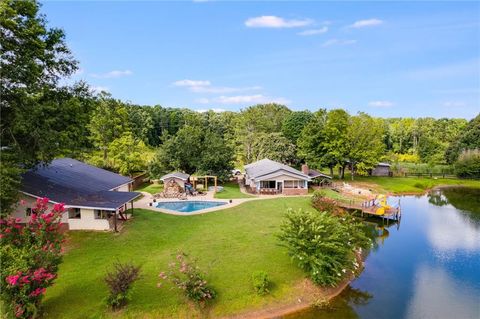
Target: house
pixel 177 177
pixel 267 176
pixel 94 198
pixel 382 169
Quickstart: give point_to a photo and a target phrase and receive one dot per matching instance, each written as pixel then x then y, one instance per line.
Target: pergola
pixel 195 179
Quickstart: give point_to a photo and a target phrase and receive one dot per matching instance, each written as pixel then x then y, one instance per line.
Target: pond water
pixel 428 266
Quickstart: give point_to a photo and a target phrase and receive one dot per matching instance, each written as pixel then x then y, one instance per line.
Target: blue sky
pixel 383 58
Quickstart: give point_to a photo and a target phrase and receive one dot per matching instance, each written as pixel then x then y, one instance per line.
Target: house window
pixel 28 212
pixel 74 213
pixel 267 184
pixel 294 184
pixel 100 214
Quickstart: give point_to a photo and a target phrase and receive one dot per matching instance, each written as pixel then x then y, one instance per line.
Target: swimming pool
pixel 188 206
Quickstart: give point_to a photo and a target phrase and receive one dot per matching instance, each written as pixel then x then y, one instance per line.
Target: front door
pixel 279 186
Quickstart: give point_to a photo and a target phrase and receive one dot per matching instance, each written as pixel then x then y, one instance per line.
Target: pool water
pixel 188 206
pixel 426 267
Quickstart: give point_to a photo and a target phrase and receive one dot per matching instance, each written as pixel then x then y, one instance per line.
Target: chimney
pixel 305 169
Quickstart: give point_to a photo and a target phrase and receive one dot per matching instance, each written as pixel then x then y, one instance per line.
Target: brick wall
pixel 295 191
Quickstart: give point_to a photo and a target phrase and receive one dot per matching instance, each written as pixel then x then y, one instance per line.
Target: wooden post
pixel 215 184
pixel 115 221
pixel 131 202
pixel 206 181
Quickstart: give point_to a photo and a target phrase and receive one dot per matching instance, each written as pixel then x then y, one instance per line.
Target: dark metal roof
pixel 314 174
pixel 75 183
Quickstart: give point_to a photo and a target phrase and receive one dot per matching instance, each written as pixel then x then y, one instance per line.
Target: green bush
pixel 261 283
pixel 119 282
pixel 323 245
pixel 468 164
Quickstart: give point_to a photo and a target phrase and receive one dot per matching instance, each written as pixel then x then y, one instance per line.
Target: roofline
pixel 306 177
pixel 281 168
pixel 173 176
pixel 131 181
pixel 86 207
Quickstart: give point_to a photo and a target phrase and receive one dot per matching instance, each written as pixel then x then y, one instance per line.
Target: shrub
pixel 30 255
pixel 468 164
pixel 322 203
pixel 323 245
pixel 186 276
pixel 119 282
pixel 261 282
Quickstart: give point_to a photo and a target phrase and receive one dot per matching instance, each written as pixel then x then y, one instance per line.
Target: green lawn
pixel 230 191
pixel 229 244
pixel 150 188
pixel 411 184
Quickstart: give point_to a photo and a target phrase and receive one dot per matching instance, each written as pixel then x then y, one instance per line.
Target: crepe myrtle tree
pixel 31 254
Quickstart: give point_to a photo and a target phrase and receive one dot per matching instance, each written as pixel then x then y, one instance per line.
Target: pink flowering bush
pixel 30 255
pixel 186 276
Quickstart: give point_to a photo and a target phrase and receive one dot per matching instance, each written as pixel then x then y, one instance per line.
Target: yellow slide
pixel 384 207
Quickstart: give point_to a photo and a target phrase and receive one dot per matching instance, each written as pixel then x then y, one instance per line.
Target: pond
pixel 428 266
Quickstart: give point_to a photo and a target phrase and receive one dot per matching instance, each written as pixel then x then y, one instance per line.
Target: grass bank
pixel 150 188
pixel 409 185
pixel 229 245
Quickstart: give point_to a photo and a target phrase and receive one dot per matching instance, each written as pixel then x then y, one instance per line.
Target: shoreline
pixel 311 296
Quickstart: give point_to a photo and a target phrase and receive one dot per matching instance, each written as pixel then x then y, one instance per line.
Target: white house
pixel 270 177
pixel 94 198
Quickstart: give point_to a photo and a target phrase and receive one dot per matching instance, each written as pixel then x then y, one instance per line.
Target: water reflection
pixel 427 269
pixel 438 295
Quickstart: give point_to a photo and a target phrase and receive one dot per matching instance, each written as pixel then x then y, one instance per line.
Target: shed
pixel 178 177
pixel 382 169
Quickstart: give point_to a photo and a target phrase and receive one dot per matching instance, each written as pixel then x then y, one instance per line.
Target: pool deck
pixel 147 199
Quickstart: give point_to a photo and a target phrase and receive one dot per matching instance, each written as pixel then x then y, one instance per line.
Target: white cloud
pixel 98 89
pixel 332 42
pixel 314 31
pixel 276 22
pixel 366 23
pixel 113 74
pixel 192 83
pixel 381 103
pixel 249 99
pixel 204 86
pixel 453 104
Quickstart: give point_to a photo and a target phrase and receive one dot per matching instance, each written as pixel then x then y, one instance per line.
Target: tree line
pixel 43 118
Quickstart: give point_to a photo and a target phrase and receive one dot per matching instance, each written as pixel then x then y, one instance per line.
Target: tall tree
pixel 109 121
pixel 468 139
pixel 128 154
pixel 274 146
pixel 262 118
pixel 311 140
pixel 33 59
pixel 364 144
pixel 294 123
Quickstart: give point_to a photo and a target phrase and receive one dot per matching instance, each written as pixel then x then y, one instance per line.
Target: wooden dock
pixel 372 208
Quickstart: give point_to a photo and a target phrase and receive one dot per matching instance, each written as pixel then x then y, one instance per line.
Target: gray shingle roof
pixel 267 167
pixel 75 183
pixel 179 175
